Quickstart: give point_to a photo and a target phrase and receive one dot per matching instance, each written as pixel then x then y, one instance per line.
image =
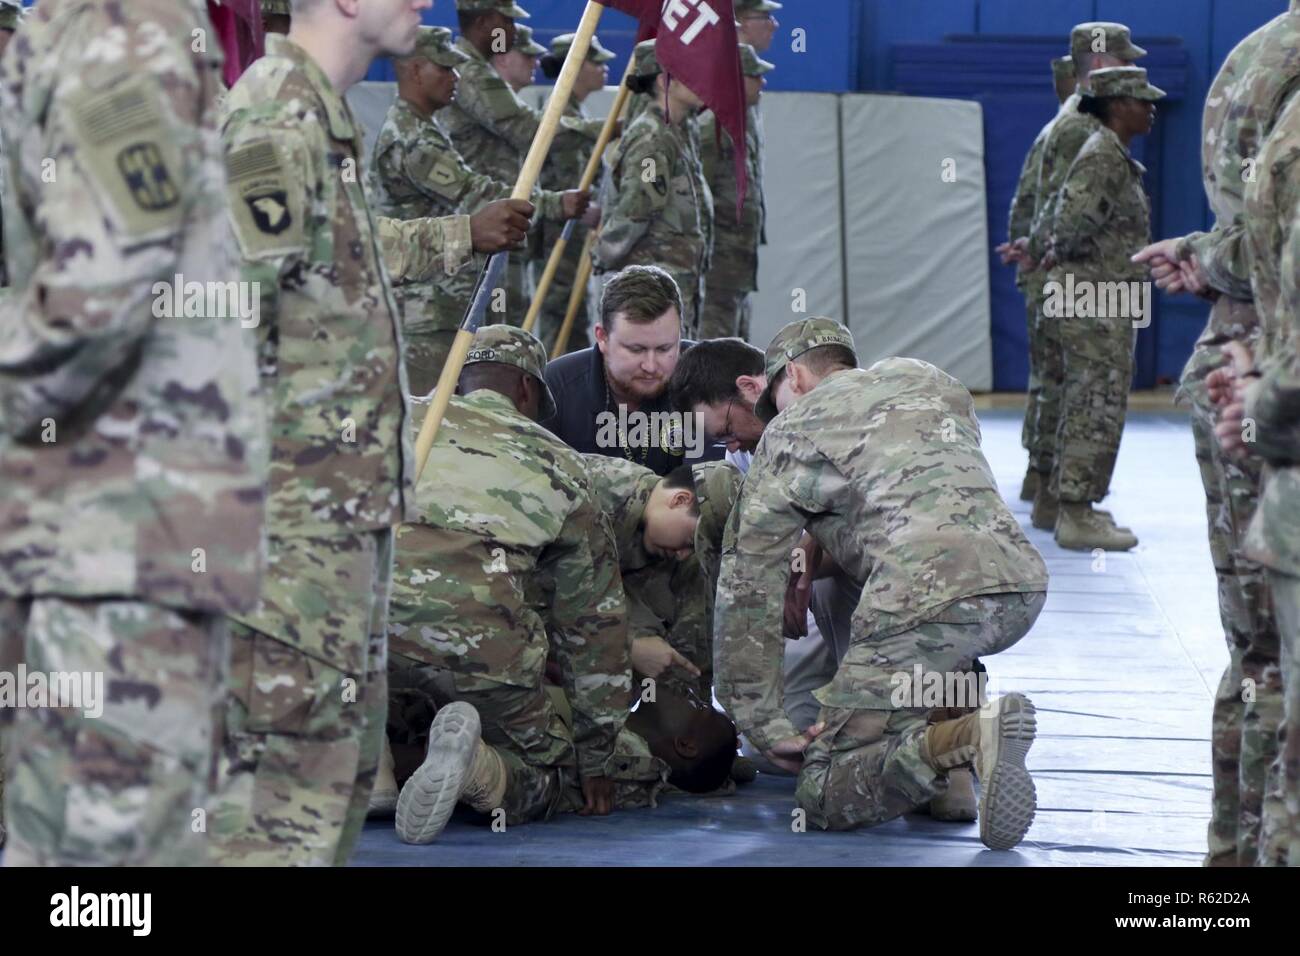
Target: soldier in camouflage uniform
pixel 883 467
pixel 308 686
pixel 1093 46
pixel 525 566
pixel 10 14
pixel 1243 103
pixel 1102 220
pixel 660 209
pixel 132 447
pixel 565 164
pixel 733 274
pixel 755 23
pixel 488 121
pixel 1261 419
pixel 1028 280
pixel 669 537
pixel 416 171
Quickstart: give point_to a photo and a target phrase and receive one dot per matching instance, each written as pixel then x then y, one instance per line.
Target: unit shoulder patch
pixel 131 157
pixel 267 210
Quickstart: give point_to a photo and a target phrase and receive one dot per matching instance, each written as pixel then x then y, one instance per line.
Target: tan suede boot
pixel 1079 528
pixel 1046 507
pixel 996 739
pixel 457 765
pixel 957 803
pixel 383 799
pixel 1029 487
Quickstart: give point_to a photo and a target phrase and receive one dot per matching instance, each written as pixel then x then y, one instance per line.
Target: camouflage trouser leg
pixel 866 766
pixel 1248 703
pixel 13 625
pixel 725 313
pixel 127 786
pixel 528 727
pixel 1034 390
pixel 1286 595
pixel 304 715
pixel 1051 385
pixel 425 354
pixel 692 291
pixel 1098 363
pixel 551 317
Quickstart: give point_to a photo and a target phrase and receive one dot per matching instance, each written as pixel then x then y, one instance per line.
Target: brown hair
pixel 640 294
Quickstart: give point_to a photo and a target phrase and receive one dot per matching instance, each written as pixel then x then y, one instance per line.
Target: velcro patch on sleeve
pixel 130 154
pixel 264 203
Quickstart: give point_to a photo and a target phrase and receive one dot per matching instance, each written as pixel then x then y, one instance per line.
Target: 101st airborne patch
pixel 132 155
pixel 267 210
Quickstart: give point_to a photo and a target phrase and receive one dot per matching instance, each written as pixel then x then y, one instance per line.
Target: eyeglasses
pixel 726 425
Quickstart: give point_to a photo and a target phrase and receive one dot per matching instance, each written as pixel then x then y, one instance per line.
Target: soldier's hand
pixel 500 225
pixel 788 753
pixel 1007 253
pixel 653 656
pixel 597 796
pixel 1231 430
pixel 618 129
pixel 575 202
pixel 1194 278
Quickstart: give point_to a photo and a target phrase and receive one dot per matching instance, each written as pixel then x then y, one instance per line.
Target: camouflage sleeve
pixel 641 621
pixel 642 173
pixel 708 126
pixel 122 133
pixel 748 644
pixel 419 249
pixel 1059 153
pixel 498 109
pixel 1023 203
pixel 271 173
pixel 1085 204
pixel 588 624
pixel 438 171
pixel 1224 257
pixel 1273 403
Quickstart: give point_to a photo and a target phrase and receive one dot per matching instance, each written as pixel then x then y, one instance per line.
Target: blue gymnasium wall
pixel 857 45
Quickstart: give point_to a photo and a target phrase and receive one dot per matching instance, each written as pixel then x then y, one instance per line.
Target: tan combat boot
pixel 957 803
pixel 458 765
pixel 1079 528
pixel 383 799
pixel 1046 507
pixel 1029 487
pixel 996 740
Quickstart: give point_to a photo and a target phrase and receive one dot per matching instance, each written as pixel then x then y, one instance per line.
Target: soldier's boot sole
pixel 1029 487
pixel 1008 799
pixel 957 804
pixel 428 799
pixel 383 799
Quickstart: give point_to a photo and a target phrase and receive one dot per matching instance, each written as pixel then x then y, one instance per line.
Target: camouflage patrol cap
pixel 10 14
pixel 1123 81
pixel 717 486
pixel 798 337
pixel 524 42
pixel 751 64
pixel 644 61
pixel 510 345
pixel 1062 69
pixel 757 6
pixel 596 53
pixel 507 7
pixel 434 44
pixel 1112 39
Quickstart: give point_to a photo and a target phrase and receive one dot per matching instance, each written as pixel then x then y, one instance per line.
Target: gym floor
pixel 1122 666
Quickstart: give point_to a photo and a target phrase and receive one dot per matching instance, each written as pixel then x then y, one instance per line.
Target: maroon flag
pixel 696 43
pixel 239 26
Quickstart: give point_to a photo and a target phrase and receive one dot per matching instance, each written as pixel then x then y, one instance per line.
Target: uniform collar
pixel 491 398
pixel 336 109
pixel 1118 144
